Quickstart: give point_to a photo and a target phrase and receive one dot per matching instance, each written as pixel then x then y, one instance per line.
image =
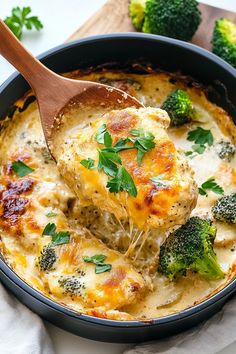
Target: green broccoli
pixel 190 247
pixel 225 209
pixel 172 18
pixel 136 11
pixel 72 285
pixel 225 150
pixel 179 107
pixel 47 257
pixel 224 40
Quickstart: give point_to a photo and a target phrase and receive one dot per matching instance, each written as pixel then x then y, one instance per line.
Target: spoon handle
pixel 14 52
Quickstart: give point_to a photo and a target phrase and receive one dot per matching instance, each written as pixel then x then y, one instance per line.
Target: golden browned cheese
pixel 21 219
pixel 154 206
pixel 132 288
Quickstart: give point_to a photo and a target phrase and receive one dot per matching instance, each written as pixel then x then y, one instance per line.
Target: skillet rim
pixel 225 292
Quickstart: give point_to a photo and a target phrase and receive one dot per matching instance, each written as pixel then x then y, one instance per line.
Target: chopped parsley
pixel 19 19
pixel 51 214
pixel 58 238
pixel 107 140
pixel 101 268
pixel 210 185
pixel 99 137
pixel 98 260
pixel 49 230
pixel 143 142
pixel 61 237
pixel 89 163
pixel 110 162
pixel 201 136
pixel 21 169
pixel 122 182
pixel 197 149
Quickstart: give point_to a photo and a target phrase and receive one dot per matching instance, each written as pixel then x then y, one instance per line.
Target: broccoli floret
pixel 136 12
pixel 172 18
pixel 225 209
pixel 225 150
pixel 179 107
pixel 190 248
pixel 72 285
pixel 47 257
pixel 224 40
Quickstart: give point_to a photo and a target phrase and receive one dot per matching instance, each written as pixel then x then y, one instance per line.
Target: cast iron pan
pixel 164 53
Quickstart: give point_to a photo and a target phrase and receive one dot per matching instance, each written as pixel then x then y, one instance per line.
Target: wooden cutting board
pixel 113 17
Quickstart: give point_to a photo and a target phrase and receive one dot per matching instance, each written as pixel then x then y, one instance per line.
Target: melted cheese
pixel 25 203
pixel 153 207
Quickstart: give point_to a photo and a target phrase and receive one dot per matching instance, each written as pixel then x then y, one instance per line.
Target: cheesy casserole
pixel 89 250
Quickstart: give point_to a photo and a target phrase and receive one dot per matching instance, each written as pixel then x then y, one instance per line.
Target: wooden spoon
pixel 53 92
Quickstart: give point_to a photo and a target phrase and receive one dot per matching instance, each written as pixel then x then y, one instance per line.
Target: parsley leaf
pixel 89 163
pixel 49 230
pixel 107 140
pixel 201 136
pixel 188 153
pixel 51 214
pixel 61 237
pixel 102 267
pixel 98 260
pixel 211 185
pixel 99 137
pixel 197 148
pixel 143 142
pixel 122 181
pixel 21 169
pixel 107 162
pixel 19 19
pixel 58 238
pixel 121 143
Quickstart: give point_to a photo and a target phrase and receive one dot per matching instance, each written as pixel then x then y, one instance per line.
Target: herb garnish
pixel 89 163
pixel 51 214
pixel 98 260
pixel 143 142
pixel 122 181
pixel 197 148
pixel 211 185
pixel 201 136
pixel 111 163
pixel 100 134
pixel 58 238
pixel 107 140
pixel 19 19
pixel 108 162
pixel 21 169
pixel 101 268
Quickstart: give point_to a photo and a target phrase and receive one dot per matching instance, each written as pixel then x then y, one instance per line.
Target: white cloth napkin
pixel 210 337
pixel 21 331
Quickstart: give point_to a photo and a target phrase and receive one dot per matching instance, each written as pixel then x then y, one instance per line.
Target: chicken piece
pixel 84 268
pixel 158 204
pixel 108 282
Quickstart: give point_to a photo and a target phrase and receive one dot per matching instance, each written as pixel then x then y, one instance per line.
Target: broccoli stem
pixel 208 267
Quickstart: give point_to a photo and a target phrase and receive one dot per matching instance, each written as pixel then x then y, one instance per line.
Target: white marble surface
pixel 61 18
